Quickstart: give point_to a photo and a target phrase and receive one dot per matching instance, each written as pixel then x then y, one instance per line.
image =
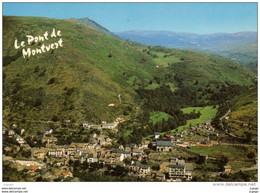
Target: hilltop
pixel 93 24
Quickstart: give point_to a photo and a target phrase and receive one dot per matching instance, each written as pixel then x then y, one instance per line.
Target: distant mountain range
pixel 189 40
pixel 223 44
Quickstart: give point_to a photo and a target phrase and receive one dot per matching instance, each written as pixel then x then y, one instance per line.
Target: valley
pixel 99 108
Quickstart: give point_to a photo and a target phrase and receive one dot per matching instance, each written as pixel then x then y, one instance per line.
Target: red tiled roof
pixel 33 168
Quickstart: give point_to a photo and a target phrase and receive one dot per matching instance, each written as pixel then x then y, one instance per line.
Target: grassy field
pixel 232 152
pixel 206 113
pixel 237 155
pixel 152 86
pixel 163 59
pixel 158 116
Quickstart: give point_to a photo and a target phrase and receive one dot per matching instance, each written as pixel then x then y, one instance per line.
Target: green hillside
pixel 75 82
pixel 243 116
pixel 189 67
pixel 245 54
pixel 97 77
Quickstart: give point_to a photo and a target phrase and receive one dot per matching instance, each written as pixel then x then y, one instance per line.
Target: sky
pixel 200 18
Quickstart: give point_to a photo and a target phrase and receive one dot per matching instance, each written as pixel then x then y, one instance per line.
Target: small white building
pixel 156 135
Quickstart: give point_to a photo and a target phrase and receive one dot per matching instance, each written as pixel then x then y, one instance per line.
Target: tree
pixel 38 179
pixel 147 151
pixel 156 166
pixel 248 137
pixel 251 155
pixel 222 161
pixel 71 162
pixel 201 159
pixel 85 165
pixel 76 164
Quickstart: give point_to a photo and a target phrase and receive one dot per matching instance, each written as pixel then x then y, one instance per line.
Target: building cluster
pixel 132 156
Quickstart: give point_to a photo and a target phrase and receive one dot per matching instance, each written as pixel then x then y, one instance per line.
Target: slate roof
pixel 176 166
pixel 164 143
pixel 143 166
pixel 181 162
pixel 173 158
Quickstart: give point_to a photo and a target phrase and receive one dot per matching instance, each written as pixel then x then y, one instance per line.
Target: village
pixel 158 159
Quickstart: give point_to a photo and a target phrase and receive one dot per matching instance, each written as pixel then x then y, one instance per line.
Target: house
pixel 144 169
pixel 130 146
pixel 205 143
pixel 153 143
pixel 92 160
pixel 180 173
pixel 176 172
pixel 86 124
pixel 121 147
pixel 156 135
pixel 39 154
pixel 103 141
pixel 20 140
pixel 4 130
pixel 141 169
pixel 172 139
pixel 109 125
pixel 49 140
pixel 188 173
pixel 163 145
pixel 48 131
pixel 67 174
pixel 120 119
pixel 145 144
pixel 124 155
pixel 137 153
pixel 11 133
pixel 22 131
pixel 182 144
pixel 227 169
pixel 174 159
pixel 206 157
pixel 180 162
pixel 70 151
pixel 160 176
pixel 56 153
pixel 83 157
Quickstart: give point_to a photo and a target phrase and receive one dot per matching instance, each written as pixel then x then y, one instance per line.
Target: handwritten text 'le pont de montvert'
pixel 27 51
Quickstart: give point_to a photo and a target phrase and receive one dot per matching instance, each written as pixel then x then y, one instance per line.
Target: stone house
pixel 180 173
pixel 227 169
pixel 11 133
pixel 156 135
pixel 86 124
pixel 163 145
pixel 56 153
